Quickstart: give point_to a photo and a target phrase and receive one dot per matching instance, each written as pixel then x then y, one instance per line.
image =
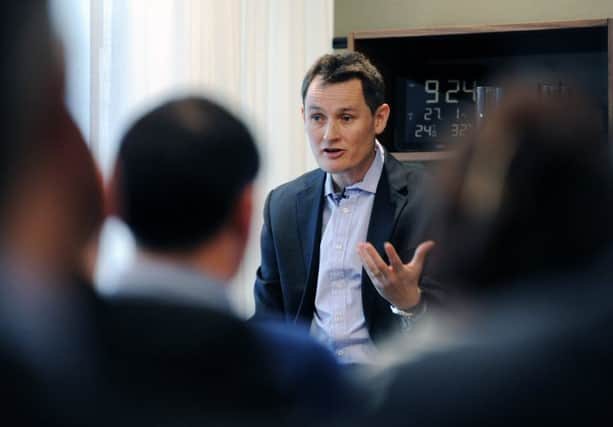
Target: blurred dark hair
pixel 344 66
pixel 531 193
pixel 180 171
pixel 83 183
pixel 31 75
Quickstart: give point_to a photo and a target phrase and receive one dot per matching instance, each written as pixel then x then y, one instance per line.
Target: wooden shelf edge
pixel 610 77
pixel 476 29
pixel 419 156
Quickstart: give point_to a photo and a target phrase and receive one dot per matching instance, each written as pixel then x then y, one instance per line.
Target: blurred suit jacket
pixel 539 352
pixel 138 359
pixel 177 361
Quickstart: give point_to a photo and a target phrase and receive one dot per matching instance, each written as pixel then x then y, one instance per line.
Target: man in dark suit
pixel 169 335
pixel 312 241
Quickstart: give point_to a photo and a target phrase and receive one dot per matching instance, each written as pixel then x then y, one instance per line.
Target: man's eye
pixel 347 118
pixel 317 118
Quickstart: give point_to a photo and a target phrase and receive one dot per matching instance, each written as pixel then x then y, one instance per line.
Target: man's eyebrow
pixel 340 110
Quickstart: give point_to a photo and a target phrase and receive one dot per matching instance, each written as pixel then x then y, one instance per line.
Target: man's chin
pixel 331 168
pixel 331 165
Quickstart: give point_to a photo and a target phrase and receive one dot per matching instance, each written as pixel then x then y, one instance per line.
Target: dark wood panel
pixel 580 50
pixel 610 76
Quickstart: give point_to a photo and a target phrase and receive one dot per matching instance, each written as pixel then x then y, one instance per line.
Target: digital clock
pixel 433 112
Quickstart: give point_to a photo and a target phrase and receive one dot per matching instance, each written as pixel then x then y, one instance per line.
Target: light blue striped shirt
pixel 338 321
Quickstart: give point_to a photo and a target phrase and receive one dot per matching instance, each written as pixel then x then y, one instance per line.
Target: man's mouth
pixel 332 150
pixel 332 153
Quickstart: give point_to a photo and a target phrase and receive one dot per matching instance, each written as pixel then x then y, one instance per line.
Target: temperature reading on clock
pixel 460 129
pixel 437 110
pixel 423 130
pixel 432 113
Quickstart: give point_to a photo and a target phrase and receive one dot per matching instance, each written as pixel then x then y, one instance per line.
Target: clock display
pixel 433 112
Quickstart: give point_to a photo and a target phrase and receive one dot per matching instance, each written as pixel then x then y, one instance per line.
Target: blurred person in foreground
pixel 183 184
pixel 47 358
pixel 340 245
pixel 69 358
pixel 526 237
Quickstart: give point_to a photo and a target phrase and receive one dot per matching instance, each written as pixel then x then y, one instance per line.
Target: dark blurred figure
pixel 45 356
pixel 531 195
pixel 90 202
pixel 526 237
pixel 183 185
pixel 34 120
pixel 68 358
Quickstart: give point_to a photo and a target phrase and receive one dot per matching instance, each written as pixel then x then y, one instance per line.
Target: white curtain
pixel 250 55
pixel 72 25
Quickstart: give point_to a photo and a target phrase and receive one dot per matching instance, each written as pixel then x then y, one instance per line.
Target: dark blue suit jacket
pixel 143 361
pixel 287 277
pixel 172 361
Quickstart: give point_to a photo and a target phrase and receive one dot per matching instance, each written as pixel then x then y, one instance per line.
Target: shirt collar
pixel 371 179
pixel 164 280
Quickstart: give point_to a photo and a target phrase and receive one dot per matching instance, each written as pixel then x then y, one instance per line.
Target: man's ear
pixel 243 212
pixel 381 116
pixel 112 194
pixel 302 113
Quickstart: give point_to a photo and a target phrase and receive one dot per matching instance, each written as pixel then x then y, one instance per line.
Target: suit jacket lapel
pixel 390 199
pixel 309 207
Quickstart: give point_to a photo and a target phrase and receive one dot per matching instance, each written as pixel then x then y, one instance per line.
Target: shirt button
pixel 340 353
pixel 339 246
pixel 346 210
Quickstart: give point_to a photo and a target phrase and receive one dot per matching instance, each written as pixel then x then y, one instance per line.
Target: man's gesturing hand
pixel 398 283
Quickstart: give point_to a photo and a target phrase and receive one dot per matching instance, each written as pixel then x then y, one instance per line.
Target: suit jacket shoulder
pixel 283 196
pixel 201 362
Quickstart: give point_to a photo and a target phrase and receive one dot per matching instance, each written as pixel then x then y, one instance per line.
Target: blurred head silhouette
pixel 531 193
pixel 42 227
pixel 40 221
pixel 182 184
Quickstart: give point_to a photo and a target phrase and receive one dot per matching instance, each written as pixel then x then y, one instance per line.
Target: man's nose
pixel 331 132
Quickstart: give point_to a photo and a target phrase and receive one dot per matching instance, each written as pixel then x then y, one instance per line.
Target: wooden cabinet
pixel 431 74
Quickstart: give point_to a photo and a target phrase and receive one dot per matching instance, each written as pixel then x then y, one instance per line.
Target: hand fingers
pixel 392 255
pixel 372 268
pixel 421 252
pixel 367 262
pixel 375 257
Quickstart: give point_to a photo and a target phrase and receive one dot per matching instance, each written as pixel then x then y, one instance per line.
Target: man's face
pixel 341 128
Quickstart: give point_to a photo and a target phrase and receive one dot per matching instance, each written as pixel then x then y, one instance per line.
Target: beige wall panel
pixel 363 15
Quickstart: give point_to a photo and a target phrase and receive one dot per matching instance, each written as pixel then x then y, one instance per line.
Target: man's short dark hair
pixel 344 66
pixel 180 171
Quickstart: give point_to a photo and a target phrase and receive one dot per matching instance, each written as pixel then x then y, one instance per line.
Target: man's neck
pixel 210 259
pixel 342 180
